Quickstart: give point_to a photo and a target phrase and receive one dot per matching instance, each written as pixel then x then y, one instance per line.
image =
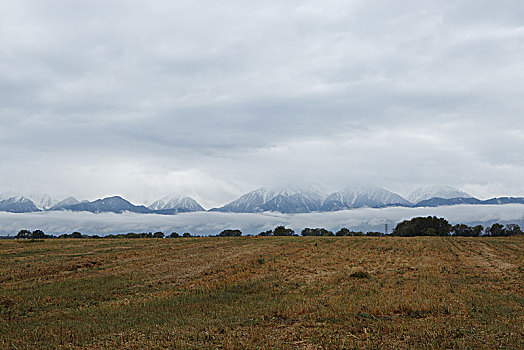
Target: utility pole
pixel 386 229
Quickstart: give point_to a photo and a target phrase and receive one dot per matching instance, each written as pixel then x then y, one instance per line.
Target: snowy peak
pixel 309 189
pixel 176 203
pixel 284 199
pixel 4 196
pixel 293 203
pixel 251 202
pixel 42 201
pixel 18 205
pixel 65 202
pixel 363 196
pixel 428 192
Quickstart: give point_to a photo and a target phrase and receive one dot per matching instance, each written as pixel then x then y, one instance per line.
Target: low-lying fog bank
pixel 207 223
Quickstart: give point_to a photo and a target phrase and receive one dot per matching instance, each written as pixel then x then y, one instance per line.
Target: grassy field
pixel 263 293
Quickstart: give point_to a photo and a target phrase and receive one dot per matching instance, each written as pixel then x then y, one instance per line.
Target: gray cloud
pixel 215 98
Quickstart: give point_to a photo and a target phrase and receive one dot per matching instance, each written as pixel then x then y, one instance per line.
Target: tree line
pixel 433 226
pixel 419 226
pixel 39 234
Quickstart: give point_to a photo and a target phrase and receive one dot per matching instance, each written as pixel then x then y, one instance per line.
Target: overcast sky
pixel 214 98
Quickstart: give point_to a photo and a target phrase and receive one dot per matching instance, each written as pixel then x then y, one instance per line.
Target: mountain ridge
pixel 289 199
pixel 436 191
pixel 114 204
pixel 176 203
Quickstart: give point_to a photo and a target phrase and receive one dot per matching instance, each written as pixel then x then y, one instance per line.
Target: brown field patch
pixel 263 292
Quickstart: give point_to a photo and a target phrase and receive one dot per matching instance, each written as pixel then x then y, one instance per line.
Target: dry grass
pixel 263 292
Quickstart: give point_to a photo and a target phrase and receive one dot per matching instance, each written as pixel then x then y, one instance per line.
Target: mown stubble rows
pixel 263 292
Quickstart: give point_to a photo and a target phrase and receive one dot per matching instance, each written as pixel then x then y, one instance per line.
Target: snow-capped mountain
pixel 299 202
pixel 428 192
pixel 5 196
pixel 294 198
pixel 176 204
pixel 251 202
pixel 305 200
pixel 65 202
pixel 18 205
pixel 42 201
pixel 284 199
pixel 113 204
pixel 364 196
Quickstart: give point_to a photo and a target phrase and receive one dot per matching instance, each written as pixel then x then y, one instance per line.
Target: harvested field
pixel 263 292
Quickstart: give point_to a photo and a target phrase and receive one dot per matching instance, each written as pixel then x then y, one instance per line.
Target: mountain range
pixel 116 204
pixel 285 199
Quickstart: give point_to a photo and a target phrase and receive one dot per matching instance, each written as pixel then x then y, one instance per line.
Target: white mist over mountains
pixel 206 223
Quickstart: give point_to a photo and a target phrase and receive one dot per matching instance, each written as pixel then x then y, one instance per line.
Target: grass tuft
pixel 360 274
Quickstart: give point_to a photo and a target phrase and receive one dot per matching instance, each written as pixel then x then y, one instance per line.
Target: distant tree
pixel 429 231
pixel 230 233
pixel 283 231
pixel 343 232
pixel 325 233
pixel 174 235
pixel 420 226
pixel 38 234
pixel 186 234
pixel 463 230
pixel 512 230
pixel 477 230
pixel 266 233
pixel 374 234
pixel 132 235
pixel 76 235
pixel 24 234
pixel 316 232
pixel 495 230
pixel 158 234
pixel 307 232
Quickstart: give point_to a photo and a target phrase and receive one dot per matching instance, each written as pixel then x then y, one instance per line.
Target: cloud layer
pixel 211 99
pixel 207 223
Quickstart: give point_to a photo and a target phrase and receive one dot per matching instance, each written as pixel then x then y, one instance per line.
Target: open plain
pixel 263 293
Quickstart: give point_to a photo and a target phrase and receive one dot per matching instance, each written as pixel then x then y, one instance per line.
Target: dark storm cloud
pixel 213 98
